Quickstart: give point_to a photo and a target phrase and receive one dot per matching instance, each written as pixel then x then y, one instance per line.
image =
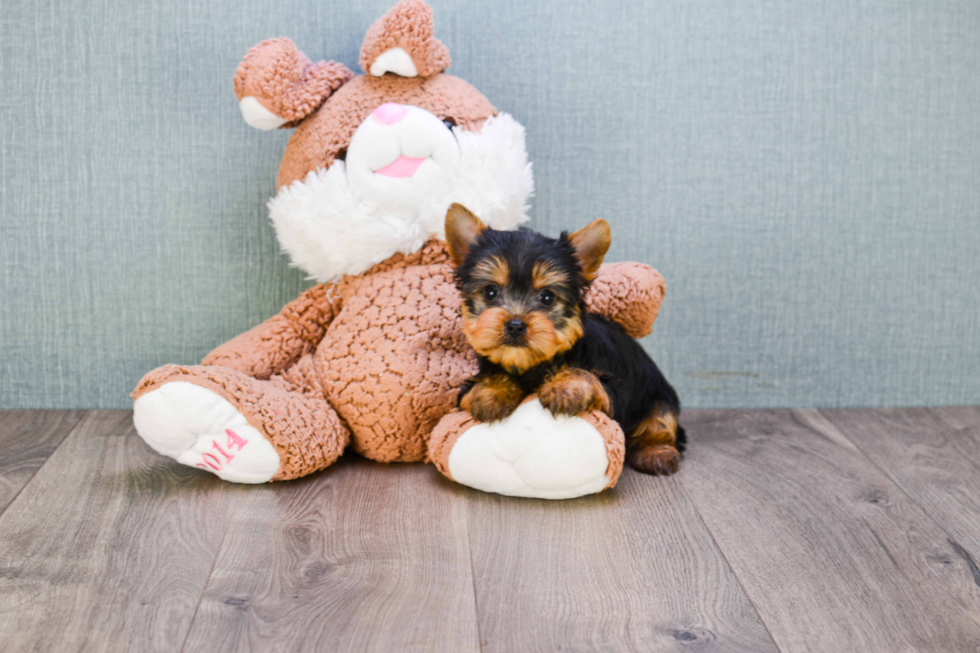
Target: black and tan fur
pixel 524 314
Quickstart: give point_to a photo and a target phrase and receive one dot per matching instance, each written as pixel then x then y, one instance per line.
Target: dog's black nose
pixel 516 328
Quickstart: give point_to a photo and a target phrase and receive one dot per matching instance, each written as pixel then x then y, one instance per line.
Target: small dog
pixel 524 313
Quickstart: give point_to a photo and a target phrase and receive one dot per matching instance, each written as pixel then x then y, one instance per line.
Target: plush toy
pixel 373 356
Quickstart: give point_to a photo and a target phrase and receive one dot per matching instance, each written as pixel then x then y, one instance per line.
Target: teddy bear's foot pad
pixel 199 428
pixel 532 454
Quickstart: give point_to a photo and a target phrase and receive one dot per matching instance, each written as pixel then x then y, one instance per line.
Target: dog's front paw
pixel 492 399
pixel 572 391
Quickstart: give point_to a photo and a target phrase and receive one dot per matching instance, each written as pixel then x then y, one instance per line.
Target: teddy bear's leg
pixel 531 453
pixel 241 429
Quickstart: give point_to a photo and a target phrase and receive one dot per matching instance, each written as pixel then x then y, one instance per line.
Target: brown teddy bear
pixel 374 355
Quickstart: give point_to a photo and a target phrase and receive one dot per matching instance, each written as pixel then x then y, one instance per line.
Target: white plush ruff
pixel 336 222
pixel 199 428
pixel 532 454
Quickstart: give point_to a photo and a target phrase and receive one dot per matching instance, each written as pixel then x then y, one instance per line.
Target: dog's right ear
pixel 462 230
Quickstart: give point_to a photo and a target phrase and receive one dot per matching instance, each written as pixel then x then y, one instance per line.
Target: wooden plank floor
pixel 800 530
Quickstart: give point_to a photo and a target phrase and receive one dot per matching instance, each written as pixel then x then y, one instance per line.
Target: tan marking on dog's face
pixel 492 270
pixel 484 330
pixel 544 275
pixel 485 333
pixel 569 334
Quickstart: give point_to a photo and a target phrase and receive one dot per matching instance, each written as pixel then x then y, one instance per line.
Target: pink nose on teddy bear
pixel 390 113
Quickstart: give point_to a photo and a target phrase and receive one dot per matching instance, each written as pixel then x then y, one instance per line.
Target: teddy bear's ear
pixel 277 85
pixel 401 42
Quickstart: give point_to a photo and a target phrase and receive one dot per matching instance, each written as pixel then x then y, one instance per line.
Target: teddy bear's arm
pixel 281 340
pixel 628 293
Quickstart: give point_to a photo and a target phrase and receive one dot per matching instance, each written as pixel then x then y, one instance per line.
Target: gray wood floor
pixel 798 530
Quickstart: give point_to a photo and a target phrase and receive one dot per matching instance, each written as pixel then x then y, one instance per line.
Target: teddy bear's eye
pixel 491 292
pixel 546 297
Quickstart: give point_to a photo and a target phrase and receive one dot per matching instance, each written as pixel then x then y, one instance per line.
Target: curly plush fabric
pixel 285 81
pixel 323 135
pixel 615 441
pixel 278 342
pixel 399 329
pixel 408 26
pixel 328 229
pixel 630 294
pixel 444 437
pixel 375 359
pixel 328 105
pixel 290 410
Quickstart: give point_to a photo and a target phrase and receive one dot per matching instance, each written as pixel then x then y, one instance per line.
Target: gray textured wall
pixel 805 174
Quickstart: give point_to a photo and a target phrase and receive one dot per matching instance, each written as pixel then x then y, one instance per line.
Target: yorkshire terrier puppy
pixel 524 313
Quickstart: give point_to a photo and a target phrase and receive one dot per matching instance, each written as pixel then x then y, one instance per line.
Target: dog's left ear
pixel 591 244
pixel 462 230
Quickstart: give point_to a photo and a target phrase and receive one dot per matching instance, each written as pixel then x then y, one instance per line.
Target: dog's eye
pixel 449 123
pixel 490 293
pixel 546 297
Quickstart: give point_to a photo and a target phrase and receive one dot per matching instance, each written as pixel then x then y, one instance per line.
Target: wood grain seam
pixel 476 598
pixel 970 562
pixel 721 552
pixel 207 583
pixel 954 428
pixel 68 432
pixel 831 432
pixel 901 488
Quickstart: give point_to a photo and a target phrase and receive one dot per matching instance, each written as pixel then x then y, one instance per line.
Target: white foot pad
pixel 532 454
pixel 198 428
